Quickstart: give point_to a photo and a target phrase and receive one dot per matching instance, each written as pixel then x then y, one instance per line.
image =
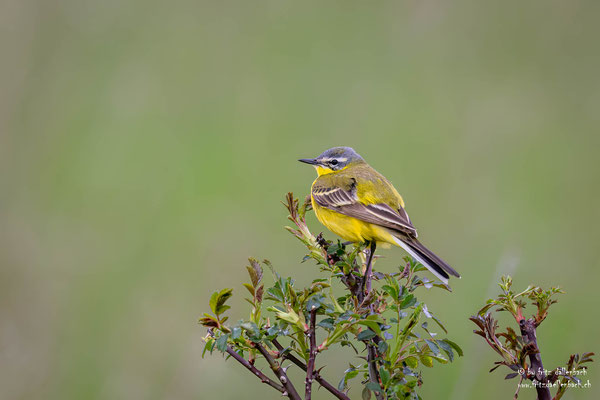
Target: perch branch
pixel 366 283
pixel 527 327
pixel 290 390
pixel 371 349
pixel 255 371
pixel 373 371
pixel 340 395
pixel 310 366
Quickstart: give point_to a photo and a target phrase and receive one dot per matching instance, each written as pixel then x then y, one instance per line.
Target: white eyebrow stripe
pixel 341 159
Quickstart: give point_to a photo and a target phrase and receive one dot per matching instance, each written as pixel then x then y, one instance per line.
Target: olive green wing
pixel 343 198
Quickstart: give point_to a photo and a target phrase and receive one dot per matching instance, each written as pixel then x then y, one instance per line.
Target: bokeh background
pixel 145 147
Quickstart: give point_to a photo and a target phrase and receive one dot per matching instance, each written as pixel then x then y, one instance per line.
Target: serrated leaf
pixel 249 287
pixel 437 321
pixel 447 349
pixel 259 293
pixel 255 271
pixel 412 362
pixel 210 344
pixel 222 309
pixel 408 301
pixel 382 346
pixel 455 347
pixel 366 394
pixel 208 322
pixel 440 359
pixel 385 376
pixel 222 343
pixel 373 386
pixel 348 374
pixel 236 333
pixel 393 292
pixel 314 302
pixel 220 300
pixel 326 323
pixel 434 348
pixel 251 327
pixel 366 335
pixel 426 361
pixel 374 326
pixel 213 301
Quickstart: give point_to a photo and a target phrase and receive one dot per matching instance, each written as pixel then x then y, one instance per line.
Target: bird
pixel 360 205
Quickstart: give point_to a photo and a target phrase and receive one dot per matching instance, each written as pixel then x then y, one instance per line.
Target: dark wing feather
pixel 346 202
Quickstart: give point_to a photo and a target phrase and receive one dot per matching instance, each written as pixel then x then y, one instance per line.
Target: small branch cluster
pixel 515 349
pixel 378 310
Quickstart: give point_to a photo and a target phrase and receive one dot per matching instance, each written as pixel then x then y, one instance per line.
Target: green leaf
pixel 251 327
pixel 366 335
pixel 348 374
pixel 217 301
pixel 383 346
pixel 222 343
pixel 273 331
pixel 408 301
pixel 236 332
pixel 314 302
pixel 210 344
pixel 249 287
pixel 373 386
pixel 336 304
pixel 447 348
pixel 326 323
pixel 455 347
pixel 213 301
pixel 290 316
pixel 374 326
pixel 222 309
pixel 440 359
pixel 337 334
pixel 412 362
pixel 366 394
pixel 437 321
pixel 434 348
pixel 393 292
pixel 385 376
pixel 426 361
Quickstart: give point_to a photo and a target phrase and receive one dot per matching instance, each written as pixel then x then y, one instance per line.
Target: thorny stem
pixel 310 366
pixel 255 371
pixel 366 283
pixel 290 390
pixel 373 371
pixel 372 353
pixel 340 395
pixel 527 327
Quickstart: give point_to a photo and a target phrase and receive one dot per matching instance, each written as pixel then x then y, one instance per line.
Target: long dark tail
pixel 436 265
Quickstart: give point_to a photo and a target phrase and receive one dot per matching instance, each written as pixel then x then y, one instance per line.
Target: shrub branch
pixel 516 350
pixel 377 309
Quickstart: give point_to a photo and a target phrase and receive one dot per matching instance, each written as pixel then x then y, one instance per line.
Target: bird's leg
pixel 368 271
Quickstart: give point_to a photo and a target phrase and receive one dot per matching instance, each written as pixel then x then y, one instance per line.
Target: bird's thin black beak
pixel 311 161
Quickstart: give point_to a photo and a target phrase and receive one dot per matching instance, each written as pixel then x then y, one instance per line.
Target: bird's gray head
pixel 334 159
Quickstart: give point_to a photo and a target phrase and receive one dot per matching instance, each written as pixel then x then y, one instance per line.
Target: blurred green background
pixel 145 147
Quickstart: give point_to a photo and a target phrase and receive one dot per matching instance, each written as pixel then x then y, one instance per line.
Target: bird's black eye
pixel 333 162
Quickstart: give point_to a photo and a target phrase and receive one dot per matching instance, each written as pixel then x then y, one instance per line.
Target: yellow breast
pixel 351 229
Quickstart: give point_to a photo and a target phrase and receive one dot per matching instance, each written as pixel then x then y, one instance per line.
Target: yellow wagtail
pixel 359 204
